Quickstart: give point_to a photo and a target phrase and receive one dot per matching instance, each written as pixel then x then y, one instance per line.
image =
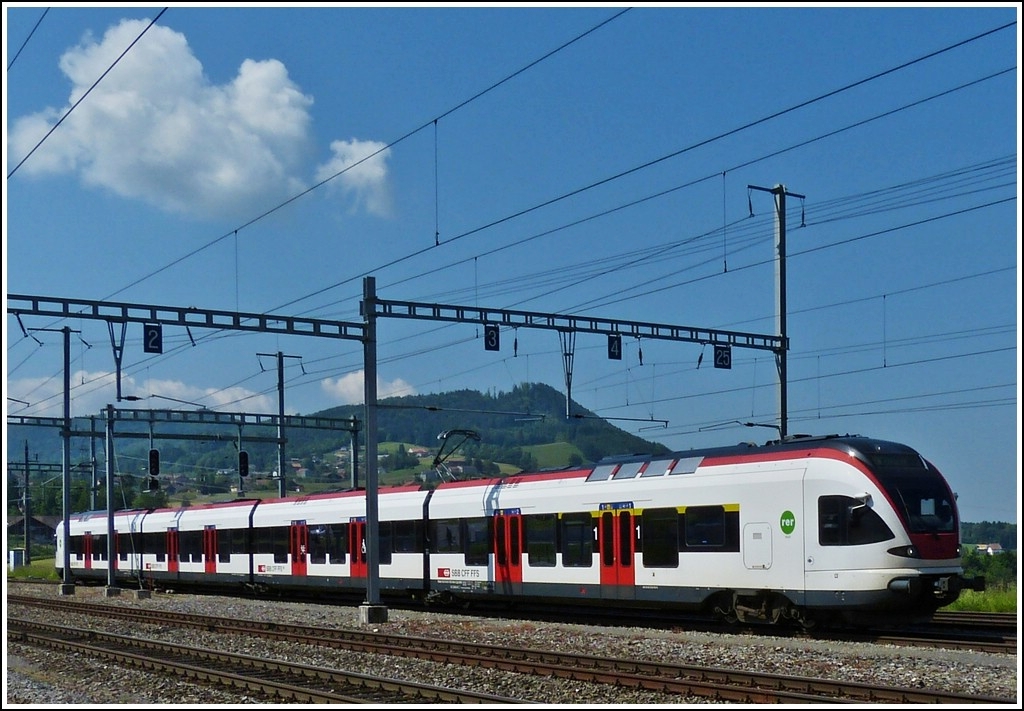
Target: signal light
pixel 243 463
pixel 154 462
pixel 154 484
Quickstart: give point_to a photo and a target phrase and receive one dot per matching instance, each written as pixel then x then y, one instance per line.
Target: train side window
pixel 337 543
pixel 577 534
pixel 225 542
pixel 318 537
pixel 478 541
pixel 237 538
pixel 280 540
pixel 408 536
pixel 190 546
pixel 124 545
pixel 704 526
pixel 264 540
pixel 386 536
pixel 540 539
pixel 99 547
pixel 845 521
pixel 659 538
pixel 155 544
pixel 446 537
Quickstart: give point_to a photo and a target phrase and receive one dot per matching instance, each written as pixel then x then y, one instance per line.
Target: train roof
pixel 793 443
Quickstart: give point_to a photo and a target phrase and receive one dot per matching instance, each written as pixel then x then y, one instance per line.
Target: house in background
pixel 41 529
pixel 989 548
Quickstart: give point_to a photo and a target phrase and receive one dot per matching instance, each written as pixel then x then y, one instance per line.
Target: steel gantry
pixel 568 326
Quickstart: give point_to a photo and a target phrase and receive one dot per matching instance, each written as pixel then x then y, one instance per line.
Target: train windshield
pixel 918 492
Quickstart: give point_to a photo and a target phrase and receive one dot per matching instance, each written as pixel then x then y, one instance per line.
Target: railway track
pixel 268 678
pixel 690 680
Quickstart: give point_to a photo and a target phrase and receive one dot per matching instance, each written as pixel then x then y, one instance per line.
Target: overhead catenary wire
pixel 996 203
pixel 84 95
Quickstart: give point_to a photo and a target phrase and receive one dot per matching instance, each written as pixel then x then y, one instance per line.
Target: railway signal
pixel 154 462
pixel 492 338
pixel 243 463
pixel 615 346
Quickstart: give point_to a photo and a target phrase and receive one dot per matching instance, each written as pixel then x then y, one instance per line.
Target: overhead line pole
pixel 780 193
pixel 371 611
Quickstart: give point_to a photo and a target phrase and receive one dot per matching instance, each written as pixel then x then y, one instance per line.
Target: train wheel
pixel 722 607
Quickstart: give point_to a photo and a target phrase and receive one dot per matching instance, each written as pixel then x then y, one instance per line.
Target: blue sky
pixel 583 160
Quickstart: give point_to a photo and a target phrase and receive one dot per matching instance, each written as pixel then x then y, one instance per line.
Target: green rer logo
pixel 787 522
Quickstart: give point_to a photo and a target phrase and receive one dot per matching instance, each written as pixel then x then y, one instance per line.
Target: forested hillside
pixel 528 415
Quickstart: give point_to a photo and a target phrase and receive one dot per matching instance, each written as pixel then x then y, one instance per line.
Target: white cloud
pixel 348 389
pixel 155 129
pixel 367 181
pixel 91 392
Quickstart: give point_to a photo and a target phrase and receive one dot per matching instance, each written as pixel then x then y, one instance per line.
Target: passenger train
pixel 805 530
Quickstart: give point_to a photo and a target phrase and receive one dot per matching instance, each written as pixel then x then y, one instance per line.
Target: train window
pixel 447 537
pixel 628 471
pixel 704 526
pixel 408 536
pixel 155 544
pixel 540 539
pixel 577 540
pixel 602 472
pixel 237 540
pixel 279 542
pixel 385 534
pixel 337 542
pixel 317 544
pixel 262 540
pixel 659 467
pixel 99 547
pixel 190 546
pixel 124 545
pixel 224 545
pixel 659 538
pixel 478 541
pixel 845 521
pixel 686 466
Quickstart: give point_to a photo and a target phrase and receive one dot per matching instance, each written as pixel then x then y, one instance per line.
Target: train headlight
pixel 905 551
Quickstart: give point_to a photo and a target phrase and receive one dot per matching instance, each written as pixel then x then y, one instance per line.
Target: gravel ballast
pixel 41 677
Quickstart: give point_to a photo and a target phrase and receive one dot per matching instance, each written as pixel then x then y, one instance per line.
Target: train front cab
pixel 885 538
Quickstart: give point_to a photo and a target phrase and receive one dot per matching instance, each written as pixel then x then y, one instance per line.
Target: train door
pixel 298 546
pixel 357 548
pixel 210 549
pixel 87 550
pixel 172 550
pixel 617 545
pixel 508 553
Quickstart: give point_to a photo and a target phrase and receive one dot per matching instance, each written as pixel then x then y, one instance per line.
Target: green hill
pixel 526 427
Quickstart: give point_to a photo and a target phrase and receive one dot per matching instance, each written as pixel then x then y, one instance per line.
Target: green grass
pixel 41 568
pixel 1004 600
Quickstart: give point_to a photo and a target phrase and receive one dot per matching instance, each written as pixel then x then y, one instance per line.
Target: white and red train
pixel 804 530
